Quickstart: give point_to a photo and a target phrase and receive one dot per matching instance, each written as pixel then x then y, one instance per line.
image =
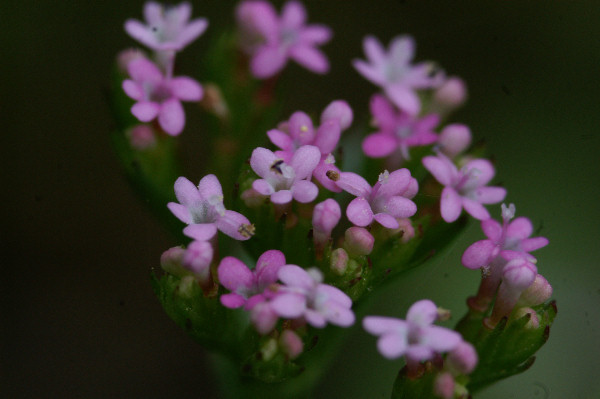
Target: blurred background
pixel 79 318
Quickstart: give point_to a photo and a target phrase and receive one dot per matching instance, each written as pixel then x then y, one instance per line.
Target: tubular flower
pixel 393 72
pixel 167 28
pixel 465 188
pixel 202 209
pixel 272 40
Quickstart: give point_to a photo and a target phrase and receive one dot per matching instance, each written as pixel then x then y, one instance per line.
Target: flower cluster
pixel 305 234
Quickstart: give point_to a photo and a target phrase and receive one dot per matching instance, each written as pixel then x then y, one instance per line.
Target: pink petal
pixel 293 15
pixel 386 220
pixel 234 274
pixel 281 197
pixel 478 254
pixel 310 58
pixel 383 112
pixel 340 111
pixel 419 353
pixel 295 276
pixel 440 168
pixel 404 98
pixel 339 315
pixel 201 231
pixel 230 225
pixel 140 32
pixel 327 136
pixel 401 50
pixel 267 61
pixel 379 145
pixel 531 244
pixel 396 183
pixel 320 173
pixel 359 212
pixel 171 117
pixel 482 169
pixel 133 90
pixel 259 16
pixel 289 305
pixel 315 318
pixel 261 161
pixel 475 209
pixel 232 300
pixel 181 212
pixel 304 191
pixel 450 204
pixel 335 295
pixel 369 72
pixel 422 313
pixel 490 195
pixel 268 266
pixel 374 51
pixel 262 187
pixel 145 111
pixel 354 184
pixel 210 186
pixel 153 13
pixel 492 229
pixel 280 139
pixel 305 161
pixel 186 192
pixel 315 34
pixel 186 89
pixel 392 345
pixel 191 32
pixel 143 70
pixel 378 325
pixel 400 207
pixel 520 228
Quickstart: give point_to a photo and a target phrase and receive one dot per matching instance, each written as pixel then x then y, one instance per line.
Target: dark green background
pixel 79 318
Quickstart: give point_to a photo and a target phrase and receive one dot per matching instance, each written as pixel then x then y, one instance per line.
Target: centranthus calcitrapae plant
pixel 283 235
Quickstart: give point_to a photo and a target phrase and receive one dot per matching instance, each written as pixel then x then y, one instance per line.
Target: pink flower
pixel 166 28
pixel 281 181
pixel 509 240
pixel 299 130
pixel 416 337
pixel 272 40
pixel 159 97
pixel 398 131
pixel 393 72
pixel 202 209
pixel 304 295
pixel 248 286
pixel 385 202
pixel 465 188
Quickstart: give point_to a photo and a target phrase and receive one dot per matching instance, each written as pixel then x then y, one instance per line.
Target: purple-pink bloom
pixel 299 130
pixel 248 285
pixel 167 28
pixel 416 337
pixel 386 201
pixel 509 240
pixel 158 96
pixel 393 72
pixel 272 40
pixel 203 210
pixel 464 188
pixel 304 295
pixel 398 130
pixel 282 181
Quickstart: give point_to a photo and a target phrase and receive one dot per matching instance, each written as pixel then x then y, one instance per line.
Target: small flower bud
pixel 451 94
pixel 141 137
pixel 462 359
pixel 358 241
pixel 252 198
pixel 454 139
pixel 263 318
pixel 444 386
pixel 197 259
pixel 326 216
pixel 291 344
pixel 537 293
pixel 126 56
pixel 534 320
pixel 171 261
pixel 214 102
pixel 339 261
pixel 339 110
pixel 269 350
